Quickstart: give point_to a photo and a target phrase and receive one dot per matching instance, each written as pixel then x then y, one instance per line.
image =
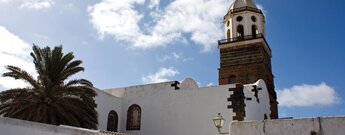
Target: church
pixel 245 92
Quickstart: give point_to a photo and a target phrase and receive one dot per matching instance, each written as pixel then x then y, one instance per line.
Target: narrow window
pixel 240 31
pixel 133 117
pixel 112 121
pixel 232 79
pixel 228 34
pixel 254 31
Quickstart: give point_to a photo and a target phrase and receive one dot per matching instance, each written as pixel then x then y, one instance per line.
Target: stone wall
pixel 307 126
pixel 245 62
pixel 242 55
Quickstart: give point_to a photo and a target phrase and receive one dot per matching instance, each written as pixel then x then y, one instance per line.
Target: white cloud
pixel 175 57
pixel 172 56
pixel 37 4
pixel 210 84
pixel 4 1
pixel 307 95
pixel 154 3
pixel 117 18
pixel 262 9
pixel 13 51
pixel 201 19
pixel 161 76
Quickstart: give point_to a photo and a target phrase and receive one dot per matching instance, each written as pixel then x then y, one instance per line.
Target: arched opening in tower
pixel 254 31
pixel 228 35
pixel 240 31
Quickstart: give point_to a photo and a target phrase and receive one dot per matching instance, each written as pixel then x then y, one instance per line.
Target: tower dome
pixel 242 3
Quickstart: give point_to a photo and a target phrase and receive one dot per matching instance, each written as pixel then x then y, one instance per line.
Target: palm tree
pixel 52 98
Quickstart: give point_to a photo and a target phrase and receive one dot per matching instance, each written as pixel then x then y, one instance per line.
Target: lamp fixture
pixel 219 122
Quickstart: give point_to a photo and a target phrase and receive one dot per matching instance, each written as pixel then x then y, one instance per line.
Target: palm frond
pixel 78 82
pixel 73 64
pixel 15 94
pixel 18 73
pixel 71 71
pixel 38 59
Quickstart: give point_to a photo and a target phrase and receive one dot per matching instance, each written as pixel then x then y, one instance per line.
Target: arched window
pixel 133 117
pixel 228 34
pixel 232 79
pixel 113 119
pixel 254 31
pixel 250 78
pixel 240 31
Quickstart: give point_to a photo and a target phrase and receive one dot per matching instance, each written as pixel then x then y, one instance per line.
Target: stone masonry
pixel 247 63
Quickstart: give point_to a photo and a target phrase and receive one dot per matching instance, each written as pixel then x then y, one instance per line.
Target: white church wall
pixel 10 126
pixel 167 111
pixel 105 103
pixel 257 110
pixel 307 126
pixel 164 110
pixel 188 83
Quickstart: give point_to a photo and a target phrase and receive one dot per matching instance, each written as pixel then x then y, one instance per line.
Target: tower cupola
pixel 244 20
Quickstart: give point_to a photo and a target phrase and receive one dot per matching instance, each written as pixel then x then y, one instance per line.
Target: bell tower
pixel 245 55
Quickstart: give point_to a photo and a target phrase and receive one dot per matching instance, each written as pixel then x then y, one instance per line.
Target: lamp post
pixel 219 122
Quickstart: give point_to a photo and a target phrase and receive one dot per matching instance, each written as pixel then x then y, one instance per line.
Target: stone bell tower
pixel 245 56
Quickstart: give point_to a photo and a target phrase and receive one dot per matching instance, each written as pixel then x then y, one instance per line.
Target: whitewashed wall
pixel 176 112
pixel 166 111
pixel 105 103
pixel 321 126
pixel 10 126
pixel 257 110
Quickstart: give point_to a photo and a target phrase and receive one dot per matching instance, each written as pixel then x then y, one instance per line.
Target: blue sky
pixel 131 42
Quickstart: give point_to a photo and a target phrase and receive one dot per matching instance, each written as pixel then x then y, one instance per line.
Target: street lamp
pixel 219 122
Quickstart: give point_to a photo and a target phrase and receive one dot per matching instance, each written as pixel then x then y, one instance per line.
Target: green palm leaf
pixel 50 98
